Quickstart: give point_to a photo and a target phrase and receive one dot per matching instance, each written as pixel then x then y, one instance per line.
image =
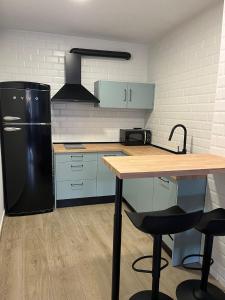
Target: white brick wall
pixel 216 190
pixel 190 90
pixel 184 67
pixel 39 57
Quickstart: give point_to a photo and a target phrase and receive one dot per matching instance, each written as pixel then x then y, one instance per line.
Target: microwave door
pixel 136 138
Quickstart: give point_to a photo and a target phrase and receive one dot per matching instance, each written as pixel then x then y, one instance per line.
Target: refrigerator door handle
pixel 11 118
pixel 10 129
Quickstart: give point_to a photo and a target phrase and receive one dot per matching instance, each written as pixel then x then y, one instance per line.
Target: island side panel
pixel 191 197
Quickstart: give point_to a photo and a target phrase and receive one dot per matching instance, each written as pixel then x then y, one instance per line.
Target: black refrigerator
pixel 26 147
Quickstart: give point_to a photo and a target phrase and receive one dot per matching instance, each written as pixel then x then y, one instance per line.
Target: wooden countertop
pixel 165 165
pixel 129 150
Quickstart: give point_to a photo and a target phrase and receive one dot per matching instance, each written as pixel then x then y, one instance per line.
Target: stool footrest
pixel 194 268
pixel 148 271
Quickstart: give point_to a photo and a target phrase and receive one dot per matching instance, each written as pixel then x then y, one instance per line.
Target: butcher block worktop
pixel 165 165
pixel 129 150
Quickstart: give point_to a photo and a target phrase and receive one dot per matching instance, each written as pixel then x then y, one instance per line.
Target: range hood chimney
pixel 73 90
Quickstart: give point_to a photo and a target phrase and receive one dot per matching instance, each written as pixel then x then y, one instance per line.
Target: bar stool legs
pixel 201 290
pixel 154 294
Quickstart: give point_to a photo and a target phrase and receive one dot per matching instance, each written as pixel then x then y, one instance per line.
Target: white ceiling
pixel 128 20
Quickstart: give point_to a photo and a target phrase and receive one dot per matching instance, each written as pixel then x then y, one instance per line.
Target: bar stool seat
pixel 211 224
pixel 158 223
pixel 162 222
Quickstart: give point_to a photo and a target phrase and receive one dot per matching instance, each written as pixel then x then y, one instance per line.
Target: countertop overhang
pixel 155 163
pixel 165 165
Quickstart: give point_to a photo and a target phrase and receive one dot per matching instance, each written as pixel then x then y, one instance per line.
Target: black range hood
pixel 73 90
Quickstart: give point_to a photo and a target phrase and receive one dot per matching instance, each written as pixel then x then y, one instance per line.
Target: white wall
pixel 189 90
pixel 216 191
pixel 39 57
pixel 184 67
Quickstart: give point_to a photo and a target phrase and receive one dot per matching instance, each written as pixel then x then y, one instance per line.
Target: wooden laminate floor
pixel 66 255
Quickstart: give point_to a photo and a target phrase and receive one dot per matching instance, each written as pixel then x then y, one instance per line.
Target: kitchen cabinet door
pixel 140 95
pixel 106 180
pixel 165 196
pixel 111 94
pixel 165 193
pixel 139 193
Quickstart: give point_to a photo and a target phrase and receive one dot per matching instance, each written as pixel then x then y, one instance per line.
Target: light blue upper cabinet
pixel 140 95
pixel 125 95
pixel 111 94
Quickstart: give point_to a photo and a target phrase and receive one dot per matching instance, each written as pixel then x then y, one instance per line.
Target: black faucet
pixel 184 151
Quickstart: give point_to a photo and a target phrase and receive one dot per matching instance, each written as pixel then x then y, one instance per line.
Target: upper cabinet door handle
pixel 130 95
pixel 11 118
pixel 125 95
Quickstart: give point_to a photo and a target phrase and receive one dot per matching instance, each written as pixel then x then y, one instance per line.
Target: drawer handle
pixel 77 184
pixel 79 166
pixel 110 155
pixel 125 95
pixel 72 156
pixel 164 180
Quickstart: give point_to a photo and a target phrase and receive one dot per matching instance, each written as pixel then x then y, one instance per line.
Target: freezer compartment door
pixel 27 163
pixel 25 106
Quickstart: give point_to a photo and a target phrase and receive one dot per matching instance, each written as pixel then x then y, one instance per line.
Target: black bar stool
pixel 169 221
pixel 211 224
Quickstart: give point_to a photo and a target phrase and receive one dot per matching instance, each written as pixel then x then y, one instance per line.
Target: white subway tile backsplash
pixel 40 57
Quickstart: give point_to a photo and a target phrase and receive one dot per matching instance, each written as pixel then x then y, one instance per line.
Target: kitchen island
pixel 152 166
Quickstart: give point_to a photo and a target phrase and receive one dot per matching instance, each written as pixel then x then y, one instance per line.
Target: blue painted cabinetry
pixel 165 193
pixel 125 95
pixel 139 193
pixel 151 194
pixel 140 95
pixel 106 180
pixel 75 175
pixel 80 175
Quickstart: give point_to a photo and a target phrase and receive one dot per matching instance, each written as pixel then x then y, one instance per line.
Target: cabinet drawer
pixel 76 157
pixel 76 170
pixel 71 189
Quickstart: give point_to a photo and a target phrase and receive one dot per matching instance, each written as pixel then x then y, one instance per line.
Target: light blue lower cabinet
pixel 71 189
pixel 106 180
pixel 76 170
pixel 81 175
pixel 165 193
pixel 191 197
pixel 75 157
pixel 151 194
pixel 139 193
pixel 165 196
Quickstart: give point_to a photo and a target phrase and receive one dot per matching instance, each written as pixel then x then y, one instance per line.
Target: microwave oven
pixel 135 137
